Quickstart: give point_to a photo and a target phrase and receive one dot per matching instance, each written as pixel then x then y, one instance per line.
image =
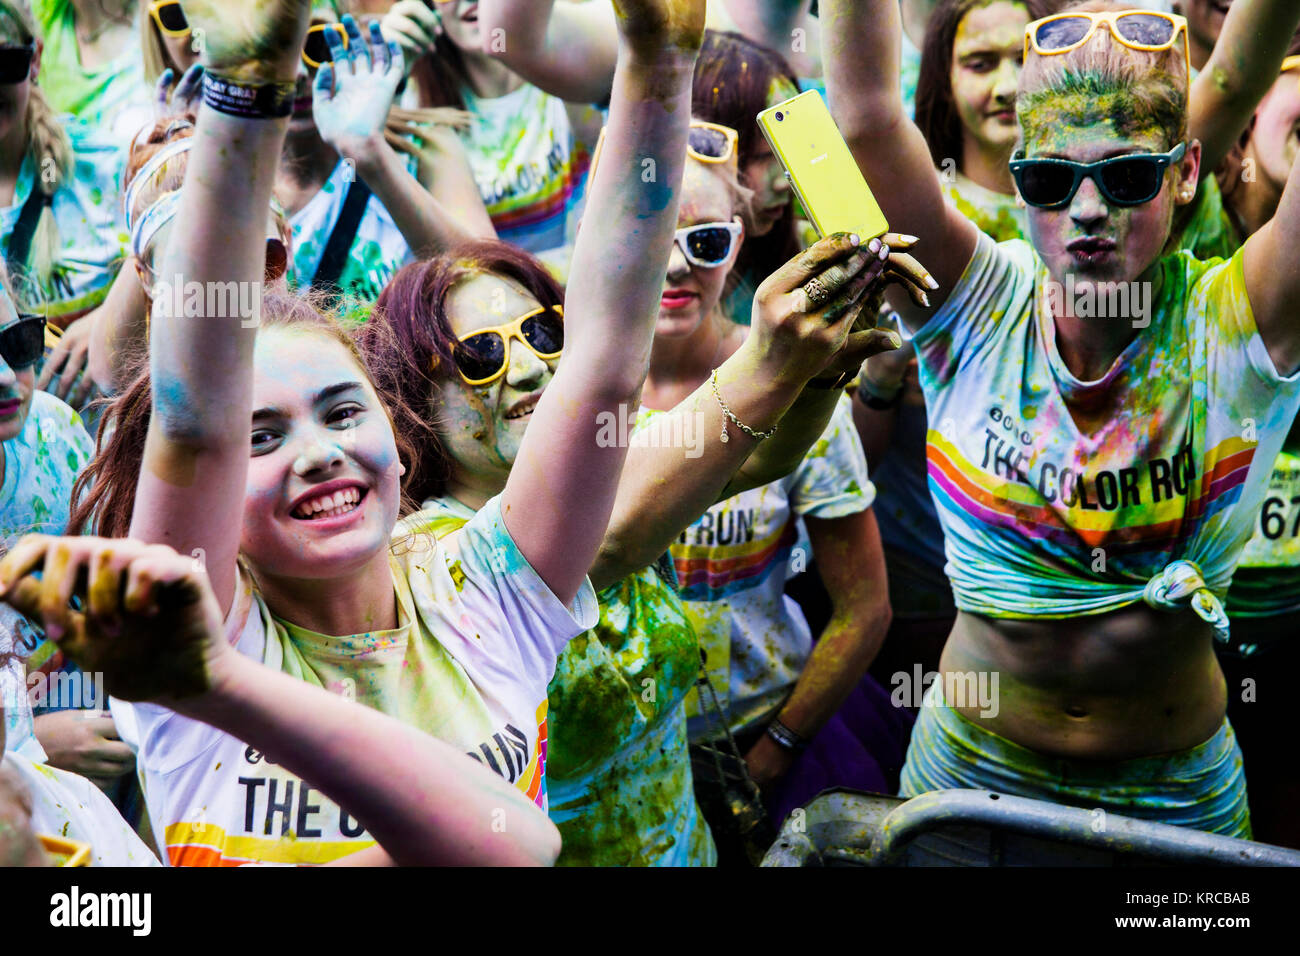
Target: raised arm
pixel 191 489
pixel 667 484
pixel 351 98
pixel 148 622
pixel 119 332
pixel 861 42
pixel 563 483
pixel 567 49
pixel 1272 269
pixel 1242 68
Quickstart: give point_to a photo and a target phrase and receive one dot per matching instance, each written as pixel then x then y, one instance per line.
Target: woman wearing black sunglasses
pixel 1089 465
pixel 59 224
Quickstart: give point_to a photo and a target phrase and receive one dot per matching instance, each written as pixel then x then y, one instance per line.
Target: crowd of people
pixel 434 432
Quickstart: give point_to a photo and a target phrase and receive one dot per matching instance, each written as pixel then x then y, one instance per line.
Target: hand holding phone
pixel 820 167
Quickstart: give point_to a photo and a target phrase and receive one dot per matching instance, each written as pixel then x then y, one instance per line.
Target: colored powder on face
pixel 1054 122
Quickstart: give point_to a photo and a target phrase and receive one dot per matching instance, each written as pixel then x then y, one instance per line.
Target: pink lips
pixel 1091 250
pixel 677 298
pixel 10 407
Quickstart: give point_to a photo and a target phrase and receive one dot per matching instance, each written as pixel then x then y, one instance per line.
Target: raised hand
pixel 815 313
pixel 173 97
pixel 414 27
pixel 351 97
pixel 146 617
pixel 64 374
pixel 654 26
pixel 253 41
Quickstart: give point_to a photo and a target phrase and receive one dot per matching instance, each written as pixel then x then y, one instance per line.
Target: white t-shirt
pixel 378 250
pixel 530 168
pixel 1061 497
pixel 732 567
pixel 478 636
pixel 66 805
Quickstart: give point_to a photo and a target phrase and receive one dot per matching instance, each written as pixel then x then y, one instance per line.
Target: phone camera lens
pixel 779 116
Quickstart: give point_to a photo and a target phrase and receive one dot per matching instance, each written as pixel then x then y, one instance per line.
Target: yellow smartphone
pixel 820 168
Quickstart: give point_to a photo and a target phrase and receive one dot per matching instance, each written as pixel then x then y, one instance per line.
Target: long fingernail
pixel 929 281
pixel 910 240
pixel 874 245
pixel 925 300
pixel 855 239
pixel 896 340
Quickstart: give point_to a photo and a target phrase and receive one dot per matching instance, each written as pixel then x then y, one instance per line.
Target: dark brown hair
pixel 104 494
pixel 733 79
pixel 440 76
pixel 411 326
pixel 936 108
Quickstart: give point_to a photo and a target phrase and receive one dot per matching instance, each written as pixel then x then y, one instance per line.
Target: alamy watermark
pixel 192 299
pixel 619 430
pixel 965 689
pixel 1100 300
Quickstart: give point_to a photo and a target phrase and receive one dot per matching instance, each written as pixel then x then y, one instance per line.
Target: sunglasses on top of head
pixel 22 343
pixel 1146 30
pixel 1128 180
pixel 705 143
pixel 16 62
pixel 170 18
pixel 483 356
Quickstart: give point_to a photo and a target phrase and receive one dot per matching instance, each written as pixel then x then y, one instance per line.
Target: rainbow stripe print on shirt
pixel 721 554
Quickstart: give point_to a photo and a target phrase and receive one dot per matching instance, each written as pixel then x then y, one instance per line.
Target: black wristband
pixel 876 402
pixel 265 101
pixel 785 738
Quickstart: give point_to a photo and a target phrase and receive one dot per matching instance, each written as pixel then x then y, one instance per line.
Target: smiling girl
pixel 299 532
pixel 1093 475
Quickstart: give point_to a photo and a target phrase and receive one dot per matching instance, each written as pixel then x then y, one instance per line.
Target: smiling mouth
pixel 330 506
pixel 523 408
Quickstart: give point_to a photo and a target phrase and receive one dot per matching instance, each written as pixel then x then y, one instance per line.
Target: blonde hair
pixel 48 146
pixel 742 197
pixel 156 58
pixel 1102 80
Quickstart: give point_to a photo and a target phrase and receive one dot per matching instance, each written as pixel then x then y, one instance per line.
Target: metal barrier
pixel 981 828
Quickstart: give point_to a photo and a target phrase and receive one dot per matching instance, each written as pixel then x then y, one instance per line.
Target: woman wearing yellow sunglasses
pixel 1089 472
pixel 481 336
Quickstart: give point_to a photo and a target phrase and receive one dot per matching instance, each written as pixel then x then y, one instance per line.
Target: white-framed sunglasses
pixel 707 244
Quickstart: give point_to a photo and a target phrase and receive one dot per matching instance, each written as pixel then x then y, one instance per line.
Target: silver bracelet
pixel 724 437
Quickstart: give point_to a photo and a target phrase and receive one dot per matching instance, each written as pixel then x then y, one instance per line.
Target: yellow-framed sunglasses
pixel 316 47
pixel 483 356
pixel 1145 30
pixel 170 19
pixel 705 143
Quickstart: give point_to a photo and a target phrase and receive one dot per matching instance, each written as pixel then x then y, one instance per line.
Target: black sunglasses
pixel 23 343
pixel 16 63
pixel 1129 180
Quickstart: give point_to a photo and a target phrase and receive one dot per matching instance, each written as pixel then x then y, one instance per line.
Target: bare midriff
pixel 1130 683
